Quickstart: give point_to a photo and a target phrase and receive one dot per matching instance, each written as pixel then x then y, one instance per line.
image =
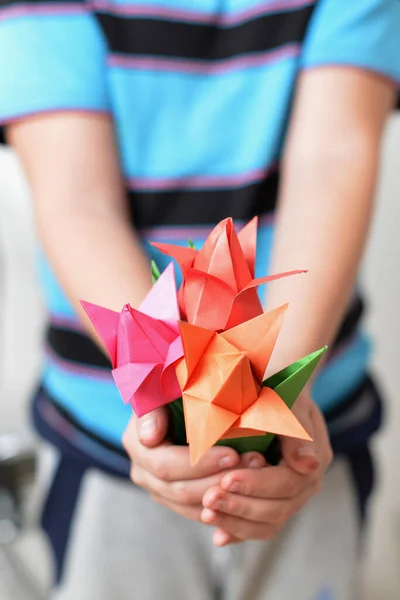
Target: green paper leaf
pixel 177 423
pixel 191 244
pixel 257 443
pixel 155 272
pixel 289 382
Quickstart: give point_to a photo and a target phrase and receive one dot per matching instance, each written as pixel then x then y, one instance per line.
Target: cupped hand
pixel 256 504
pixel 164 470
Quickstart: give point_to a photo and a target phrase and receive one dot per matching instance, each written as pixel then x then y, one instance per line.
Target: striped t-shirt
pixel 200 92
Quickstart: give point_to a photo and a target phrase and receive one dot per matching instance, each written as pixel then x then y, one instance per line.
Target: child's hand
pixel 164 470
pixel 256 504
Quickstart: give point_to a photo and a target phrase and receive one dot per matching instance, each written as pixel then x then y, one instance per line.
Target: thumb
pixel 152 428
pixel 301 455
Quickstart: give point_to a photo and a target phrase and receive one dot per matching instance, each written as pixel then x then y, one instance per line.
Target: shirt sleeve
pixel 52 57
pixel 360 33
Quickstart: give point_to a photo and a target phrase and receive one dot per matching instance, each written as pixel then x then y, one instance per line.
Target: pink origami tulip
pixel 144 345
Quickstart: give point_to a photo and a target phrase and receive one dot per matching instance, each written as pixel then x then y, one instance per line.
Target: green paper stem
pixel 155 271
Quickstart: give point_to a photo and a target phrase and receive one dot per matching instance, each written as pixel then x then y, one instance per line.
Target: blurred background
pixel 24 562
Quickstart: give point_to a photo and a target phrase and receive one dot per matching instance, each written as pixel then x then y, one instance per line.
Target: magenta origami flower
pixel 144 345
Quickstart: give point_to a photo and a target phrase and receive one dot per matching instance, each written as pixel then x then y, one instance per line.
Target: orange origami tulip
pixel 220 377
pixel 219 290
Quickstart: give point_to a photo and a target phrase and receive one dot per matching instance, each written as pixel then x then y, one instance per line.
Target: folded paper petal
pixel 159 334
pixel 149 396
pixel 257 338
pixel 200 293
pixel 106 323
pixel 133 341
pixel 144 345
pixel 240 267
pixel 161 302
pixel 271 414
pixel 216 259
pixel 240 432
pixel 130 377
pixel 205 425
pixel 170 389
pixel 183 256
pixel 270 278
pixel 223 269
pixel 246 304
pixel 195 341
pixel 175 352
pixel 248 240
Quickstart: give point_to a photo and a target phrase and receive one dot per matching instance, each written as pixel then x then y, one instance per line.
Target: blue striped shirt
pixel 200 92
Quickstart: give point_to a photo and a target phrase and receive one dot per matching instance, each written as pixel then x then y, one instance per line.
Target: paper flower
pixel 220 377
pixel 144 345
pixel 219 289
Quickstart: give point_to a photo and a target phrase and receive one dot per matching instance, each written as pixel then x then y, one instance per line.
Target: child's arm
pixel 329 175
pixel 330 171
pixel 80 208
pixel 81 212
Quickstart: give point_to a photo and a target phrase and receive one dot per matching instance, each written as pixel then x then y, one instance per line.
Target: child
pixel 153 121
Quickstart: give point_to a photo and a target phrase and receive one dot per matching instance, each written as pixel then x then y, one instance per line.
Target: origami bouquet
pixel 203 350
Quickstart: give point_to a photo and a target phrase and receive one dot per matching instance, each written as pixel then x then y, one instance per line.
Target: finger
pixel 188 512
pixel 252 460
pixel 321 436
pixel 172 463
pixel 278 482
pixel 222 538
pixel 308 457
pixel 152 428
pixel 300 455
pixel 255 509
pixel 239 528
pixel 186 493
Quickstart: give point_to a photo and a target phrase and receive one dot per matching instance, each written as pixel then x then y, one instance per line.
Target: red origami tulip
pixel 219 290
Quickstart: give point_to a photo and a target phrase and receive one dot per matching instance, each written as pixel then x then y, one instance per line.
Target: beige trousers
pixel 123 546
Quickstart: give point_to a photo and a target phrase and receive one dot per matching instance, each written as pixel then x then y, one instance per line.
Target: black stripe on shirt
pixel 352 432
pixel 202 207
pixel 76 347
pixel 350 322
pixel 45 396
pixel 356 418
pixel 158 37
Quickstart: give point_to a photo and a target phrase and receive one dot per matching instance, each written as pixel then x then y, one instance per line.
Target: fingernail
pixel 220 538
pixel 256 463
pixel 227 461
pixel 147 428
pixel 219 504
pixel 306 452
pixel 309 457
pixel 235 487
pixel 207 515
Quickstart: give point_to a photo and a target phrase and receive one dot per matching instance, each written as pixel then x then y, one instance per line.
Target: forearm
pixel 96 256
pixel 329 175
pixel 80 207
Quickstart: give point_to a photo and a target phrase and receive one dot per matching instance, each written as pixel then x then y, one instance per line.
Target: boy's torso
pixel 201 94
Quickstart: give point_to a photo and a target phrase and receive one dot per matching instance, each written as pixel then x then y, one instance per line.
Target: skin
pixel 329 171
